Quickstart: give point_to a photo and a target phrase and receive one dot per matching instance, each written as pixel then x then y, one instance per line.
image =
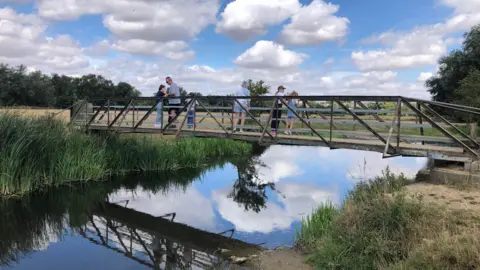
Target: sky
pixel 337 47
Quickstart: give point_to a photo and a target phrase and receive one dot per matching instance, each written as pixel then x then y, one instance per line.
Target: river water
pixel 181 220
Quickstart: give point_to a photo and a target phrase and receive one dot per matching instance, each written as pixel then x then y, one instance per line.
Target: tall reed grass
pixel 40 151
pixel 380 226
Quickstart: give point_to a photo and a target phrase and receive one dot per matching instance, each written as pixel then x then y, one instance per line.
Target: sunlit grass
pixel 380 226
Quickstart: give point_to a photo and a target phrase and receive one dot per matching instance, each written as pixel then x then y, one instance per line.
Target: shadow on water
pixel 30 223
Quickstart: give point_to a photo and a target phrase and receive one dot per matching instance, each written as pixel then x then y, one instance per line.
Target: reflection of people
pixel 173 91
pixel 277 112
pixel 290 115
pixel 238 111
pixel 162 91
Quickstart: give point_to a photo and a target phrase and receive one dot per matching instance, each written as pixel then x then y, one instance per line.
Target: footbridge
pixel 160 242
pixel 392 125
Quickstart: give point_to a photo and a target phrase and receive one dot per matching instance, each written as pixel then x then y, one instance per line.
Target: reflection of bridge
pixel 412 127
pixel 156 242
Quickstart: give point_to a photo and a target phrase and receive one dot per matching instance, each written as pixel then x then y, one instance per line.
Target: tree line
pixel 36 89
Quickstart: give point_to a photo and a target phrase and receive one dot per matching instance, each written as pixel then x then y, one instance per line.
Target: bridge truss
pixel 392 125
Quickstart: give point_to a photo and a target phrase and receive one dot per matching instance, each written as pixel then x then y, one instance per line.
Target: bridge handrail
pixel 332 107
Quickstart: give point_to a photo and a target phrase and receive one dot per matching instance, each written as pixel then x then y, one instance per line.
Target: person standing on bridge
pixel 238 111
pixel 277 112
pixel 173 91
pixel 290 115
pixel 162 91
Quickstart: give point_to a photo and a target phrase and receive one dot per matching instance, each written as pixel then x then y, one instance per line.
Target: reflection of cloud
pixel 49 236
pixel 298 200
pixel 280 161
pixel 360 165
pixel 191 206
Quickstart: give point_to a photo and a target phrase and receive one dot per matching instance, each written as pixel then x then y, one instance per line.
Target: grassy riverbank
pixel 41 151
pixel 382 226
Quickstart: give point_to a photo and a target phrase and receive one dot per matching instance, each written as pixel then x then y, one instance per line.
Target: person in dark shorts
pixel 162 91
pixel 173 91
pixel 277 112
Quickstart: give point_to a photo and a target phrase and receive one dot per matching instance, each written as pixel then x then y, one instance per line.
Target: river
pixel 174 221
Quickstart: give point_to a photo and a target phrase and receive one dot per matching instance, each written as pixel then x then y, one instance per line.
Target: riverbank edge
pixel 42 152
pixel 300 257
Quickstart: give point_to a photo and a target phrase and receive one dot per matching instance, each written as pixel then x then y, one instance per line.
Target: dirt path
pixel 452 198
pixel 277 259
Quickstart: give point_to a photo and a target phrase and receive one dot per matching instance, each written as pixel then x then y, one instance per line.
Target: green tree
pixel 65 90
pixel 454 68
pixel 258 88
pixel 18 87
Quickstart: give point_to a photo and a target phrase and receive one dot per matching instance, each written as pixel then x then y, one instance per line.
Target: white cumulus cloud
pixel 315 24
pixel 267 54
pixel 246 19
pixel 421 46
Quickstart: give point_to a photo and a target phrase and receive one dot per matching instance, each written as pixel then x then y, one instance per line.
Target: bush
pixel 379 226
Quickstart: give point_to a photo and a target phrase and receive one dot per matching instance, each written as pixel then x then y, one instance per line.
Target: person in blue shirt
pixel 290 115
pixel 162 91
pixel 238 111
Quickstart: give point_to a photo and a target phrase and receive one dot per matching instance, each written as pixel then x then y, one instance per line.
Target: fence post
pixel 473 130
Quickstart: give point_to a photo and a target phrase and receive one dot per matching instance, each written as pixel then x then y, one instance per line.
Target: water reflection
pixel 181 220
pixel 248 190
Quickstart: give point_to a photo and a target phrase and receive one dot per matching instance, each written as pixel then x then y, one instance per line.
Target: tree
pixel 248 190
pixel 258 88
pixel 454 68
pixel 65 90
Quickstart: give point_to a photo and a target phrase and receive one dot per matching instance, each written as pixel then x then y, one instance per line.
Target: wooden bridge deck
pixel 406 149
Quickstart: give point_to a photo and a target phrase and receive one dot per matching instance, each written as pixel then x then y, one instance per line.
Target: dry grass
pixel 421 226
pixel 25 111
pixel 452 198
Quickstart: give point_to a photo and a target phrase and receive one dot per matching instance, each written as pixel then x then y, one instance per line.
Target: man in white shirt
pixel 238 111
pixel 173 91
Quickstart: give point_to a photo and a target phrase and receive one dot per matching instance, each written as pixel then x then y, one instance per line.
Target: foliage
pixel 39 152
pixel 18 87
pixel 381 227
pixel 248 189
pixel 458 73
pixel 258 88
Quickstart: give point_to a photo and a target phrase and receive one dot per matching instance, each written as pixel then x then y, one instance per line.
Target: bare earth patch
pixel 452 198
pixel 280 259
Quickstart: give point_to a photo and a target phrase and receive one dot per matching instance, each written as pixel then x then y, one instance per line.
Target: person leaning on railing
pixel 292 103
pixel 162 91
pixel 173 91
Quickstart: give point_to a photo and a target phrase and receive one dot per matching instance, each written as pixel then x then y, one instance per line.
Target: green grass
pixel 379 226
pixel 40 152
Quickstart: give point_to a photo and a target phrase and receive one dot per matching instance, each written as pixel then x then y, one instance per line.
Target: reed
pixel 37 152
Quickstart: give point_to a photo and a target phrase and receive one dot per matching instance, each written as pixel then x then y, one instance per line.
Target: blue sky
pixel 316 47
